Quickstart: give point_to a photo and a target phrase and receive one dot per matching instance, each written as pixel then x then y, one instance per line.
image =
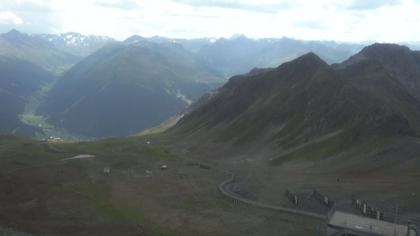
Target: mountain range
pixel 227 57
pixel 55 53
pixel 237 55
pixel 330 125
pixel 308 109
pixel 76 43
pixel 106 88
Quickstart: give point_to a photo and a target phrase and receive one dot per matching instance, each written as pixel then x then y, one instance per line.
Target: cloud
pixel 310 24
pixel 341 20
pixel 9 17
pixel 118 4
pixel 371 4
pixel 268 7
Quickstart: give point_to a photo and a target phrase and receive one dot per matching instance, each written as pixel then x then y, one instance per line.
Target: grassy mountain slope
pixel 123 89
pixel 306 104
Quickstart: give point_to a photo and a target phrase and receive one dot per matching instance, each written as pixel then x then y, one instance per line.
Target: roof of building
pixel 364 224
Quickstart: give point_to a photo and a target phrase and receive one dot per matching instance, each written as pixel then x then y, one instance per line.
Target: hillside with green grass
pixel 306 108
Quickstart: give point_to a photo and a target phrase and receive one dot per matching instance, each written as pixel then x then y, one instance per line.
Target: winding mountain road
pixel 226 189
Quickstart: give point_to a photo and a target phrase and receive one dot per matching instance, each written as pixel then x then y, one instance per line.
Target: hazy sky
pixel 351 20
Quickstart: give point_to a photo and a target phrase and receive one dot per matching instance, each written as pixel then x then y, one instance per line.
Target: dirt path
pixel 80 156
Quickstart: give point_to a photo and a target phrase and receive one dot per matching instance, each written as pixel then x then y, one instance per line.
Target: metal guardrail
pixel 325 200
pixel 366 209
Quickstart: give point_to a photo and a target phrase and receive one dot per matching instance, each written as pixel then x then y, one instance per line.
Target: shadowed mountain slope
pixel 399 61
pixel 18 81
pixel 123 89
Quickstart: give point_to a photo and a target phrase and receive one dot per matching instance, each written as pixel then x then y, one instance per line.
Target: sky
pixel 339 20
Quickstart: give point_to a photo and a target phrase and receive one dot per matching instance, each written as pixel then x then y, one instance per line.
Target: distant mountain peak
pixel 16 37
pixel 384 53
pixel 238 36
pixel 385 46
pixel 399 61
pixel 311 56
pixel 134 39
pixel 14 34
pixel 385 49
pixel 308 60
pixel 71 33
pixel 13 31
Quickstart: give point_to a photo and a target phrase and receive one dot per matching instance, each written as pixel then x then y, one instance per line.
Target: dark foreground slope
pixel 123 89
pixel 18 81
pixel 307 101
